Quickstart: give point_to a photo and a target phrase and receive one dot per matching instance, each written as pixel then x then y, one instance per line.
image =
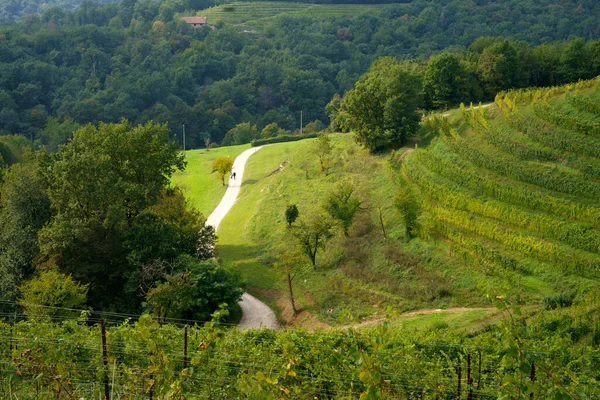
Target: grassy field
pixel 508 206
pixel 357 277
pixel 199 184
pixel 249 12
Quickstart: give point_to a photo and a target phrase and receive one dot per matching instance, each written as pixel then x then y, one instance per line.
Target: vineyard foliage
pixel 144 359
pixel 513 186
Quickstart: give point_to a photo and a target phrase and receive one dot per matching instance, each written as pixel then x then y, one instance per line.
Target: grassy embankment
pixel 357 278
pixel 508 207
pixel 199 184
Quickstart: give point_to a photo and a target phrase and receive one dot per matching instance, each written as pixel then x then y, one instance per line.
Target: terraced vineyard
pixel 513 189
pixel 248 12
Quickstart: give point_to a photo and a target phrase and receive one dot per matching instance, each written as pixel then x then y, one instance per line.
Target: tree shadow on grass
pixel 246 261
pixel 249 182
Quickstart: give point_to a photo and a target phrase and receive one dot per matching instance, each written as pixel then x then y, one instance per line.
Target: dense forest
pixel 137 60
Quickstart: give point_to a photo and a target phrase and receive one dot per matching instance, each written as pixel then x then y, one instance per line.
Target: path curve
pixel 233 189
pixel 256 314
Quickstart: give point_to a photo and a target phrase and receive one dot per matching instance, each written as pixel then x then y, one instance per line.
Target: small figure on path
pixel 234 175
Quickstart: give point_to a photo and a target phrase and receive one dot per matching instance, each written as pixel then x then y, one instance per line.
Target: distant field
pixel 247 12
pixel 200 185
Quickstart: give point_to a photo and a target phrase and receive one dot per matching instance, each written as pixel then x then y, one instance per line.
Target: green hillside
pixel 513 189
pixel 253 12
pixel 507 207
pixel 199 183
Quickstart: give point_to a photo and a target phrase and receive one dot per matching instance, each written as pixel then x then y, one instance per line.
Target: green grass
pixel 199 184
pixel 485 229
pixel 356 277
pixel 251 12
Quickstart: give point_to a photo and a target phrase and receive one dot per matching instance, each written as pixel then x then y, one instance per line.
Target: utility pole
pixel 184 140
pixel 300 122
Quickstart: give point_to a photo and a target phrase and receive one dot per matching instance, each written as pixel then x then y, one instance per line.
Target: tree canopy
pixel 383 107
pixel 112 208
pixel 65 67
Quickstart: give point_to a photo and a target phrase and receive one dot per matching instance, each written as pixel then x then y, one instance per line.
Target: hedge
pixel 282 138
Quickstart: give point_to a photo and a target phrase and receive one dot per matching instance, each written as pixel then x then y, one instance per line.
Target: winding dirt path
pixel 256 314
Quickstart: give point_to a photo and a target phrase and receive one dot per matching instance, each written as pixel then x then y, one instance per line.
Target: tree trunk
pixel 289 277
pixel 313 259
pixel 382 225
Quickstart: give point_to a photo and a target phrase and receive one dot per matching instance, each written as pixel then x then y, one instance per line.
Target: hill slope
pixel 507 207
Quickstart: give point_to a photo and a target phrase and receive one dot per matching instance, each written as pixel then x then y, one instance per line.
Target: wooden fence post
pixel 459 372
pixel 469 379
pixel 532 377
pixel 105 360
pixel 185 343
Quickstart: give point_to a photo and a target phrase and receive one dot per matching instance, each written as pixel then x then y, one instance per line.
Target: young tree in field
pixel 290 264
pixel 408 208
pixel 322 147
pixel 291 213
pixel 382 109
pixel 342 205
pixel 311 234
pixel 223 166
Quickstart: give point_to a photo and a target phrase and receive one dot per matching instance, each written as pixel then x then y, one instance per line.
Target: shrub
pixel 50 294
pixel 282 139
pixel 560 300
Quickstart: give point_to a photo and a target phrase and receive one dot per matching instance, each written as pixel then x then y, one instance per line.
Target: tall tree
pixel 445 81
pixel 102 185
pixel 383 107
pixel 24 209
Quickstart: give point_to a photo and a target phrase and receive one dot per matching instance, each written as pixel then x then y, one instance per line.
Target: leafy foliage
pixel 24 210
pixel 382 108
pixel 223 166
pixel 112 211
pixel 408 208
pixel 103 62
pixel 51 294
pixel 311 234
pixel 342 205
pixel 195 292
pixel 291 213
pixel 205 249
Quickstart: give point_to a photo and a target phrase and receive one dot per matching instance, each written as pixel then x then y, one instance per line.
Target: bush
pixel 196 292
pixel 51 294
pixel 561 300
pixel 282 139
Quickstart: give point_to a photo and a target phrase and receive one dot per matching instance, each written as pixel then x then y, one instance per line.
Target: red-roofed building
pixel 194 21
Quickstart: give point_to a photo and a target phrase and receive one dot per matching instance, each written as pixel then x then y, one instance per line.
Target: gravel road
pixel 256 314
